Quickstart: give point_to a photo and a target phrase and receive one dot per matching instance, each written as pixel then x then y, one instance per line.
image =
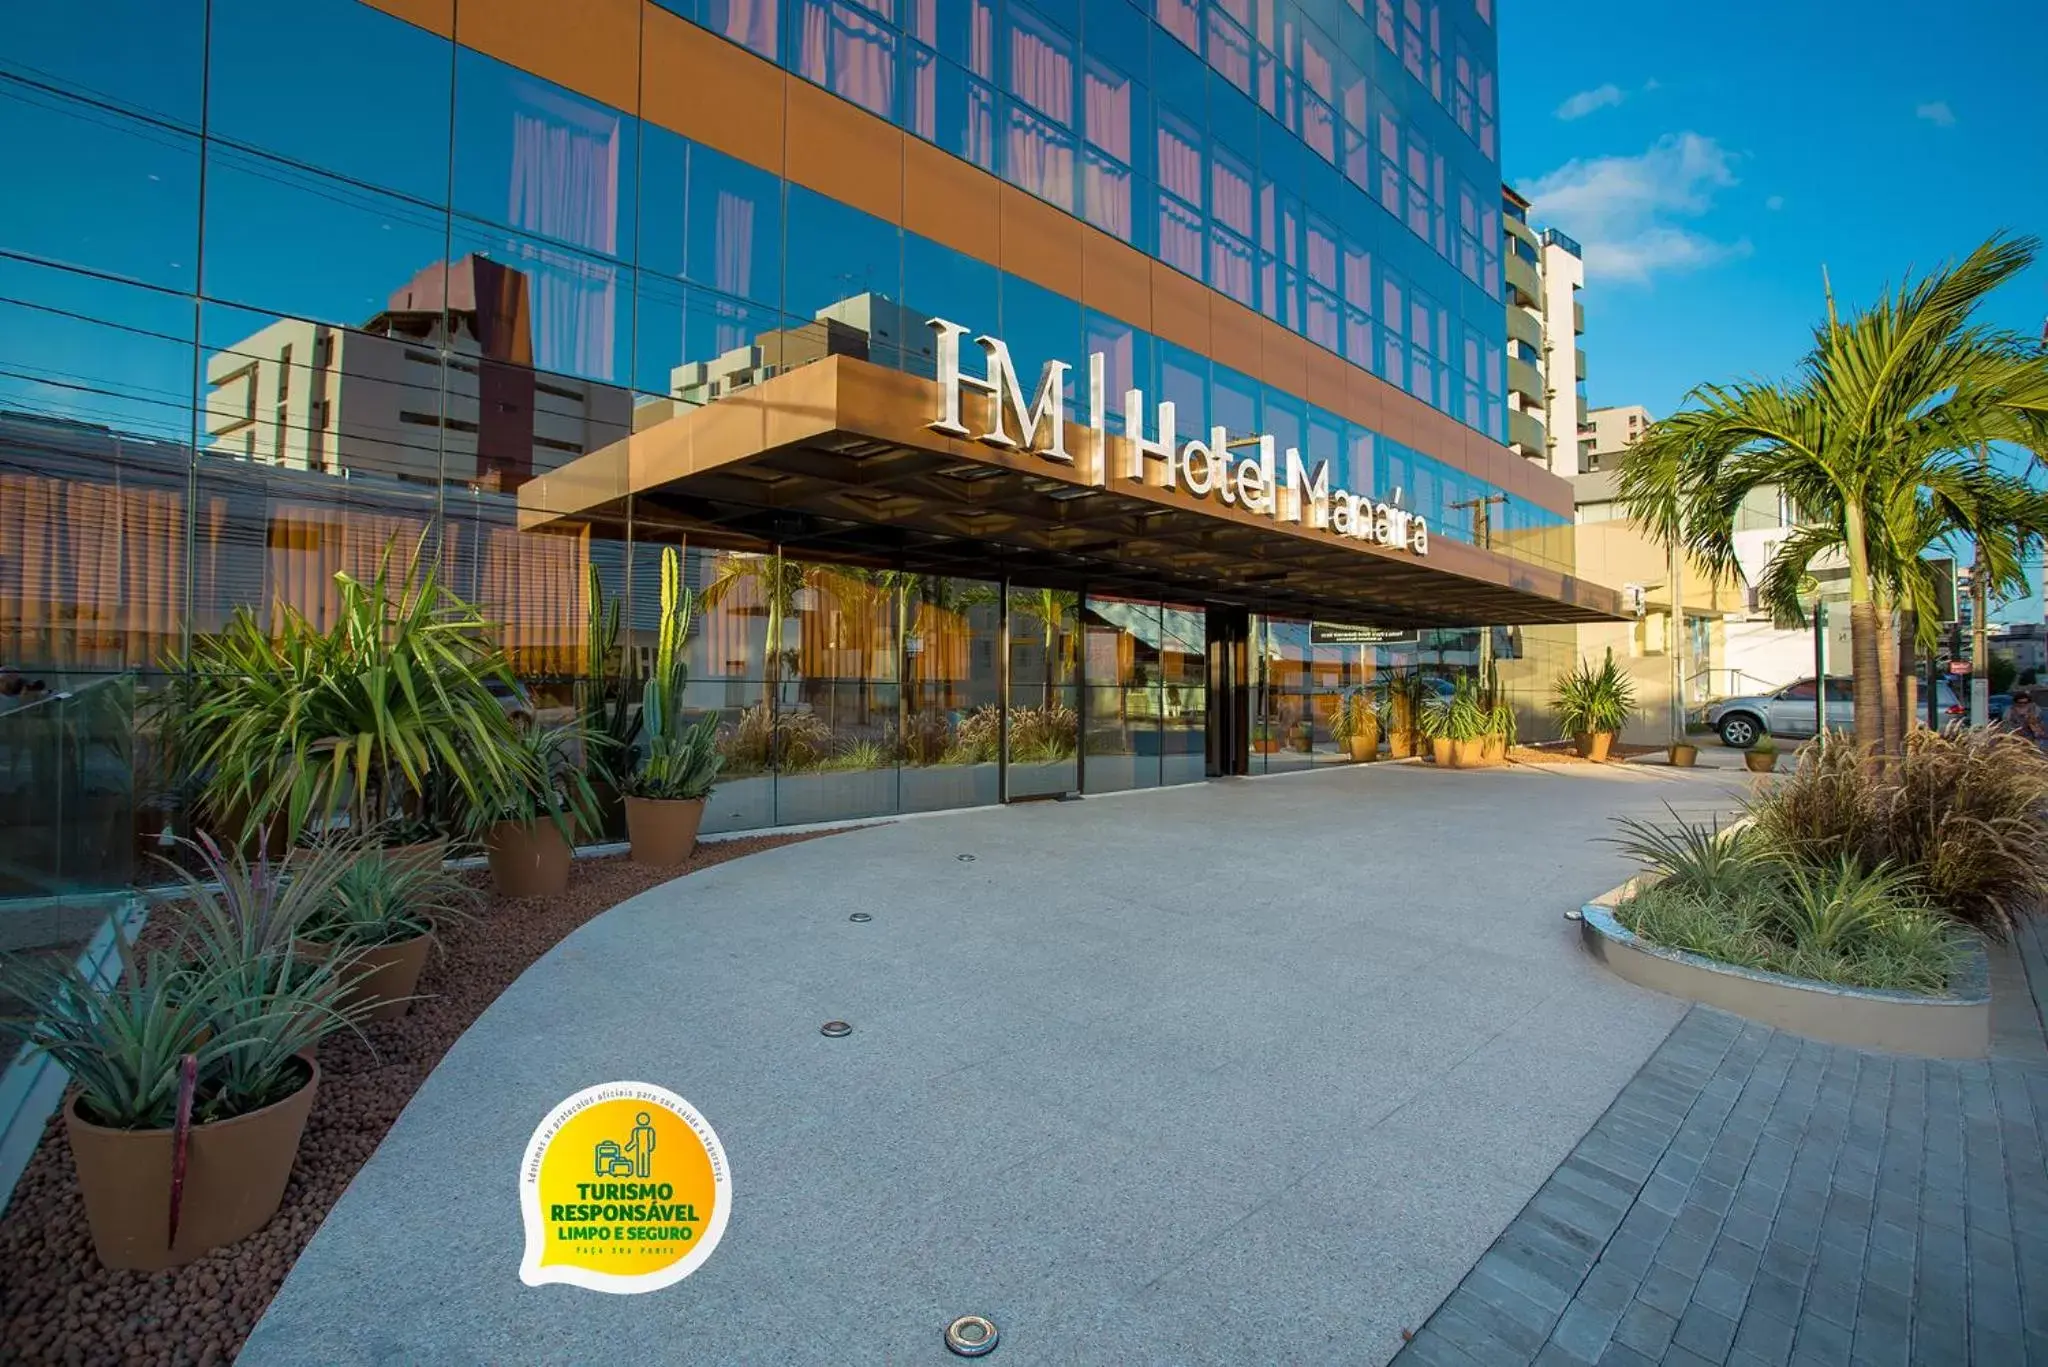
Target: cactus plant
pixel 682 760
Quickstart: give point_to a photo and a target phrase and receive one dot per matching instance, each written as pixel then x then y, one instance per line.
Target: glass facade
pixel 250 338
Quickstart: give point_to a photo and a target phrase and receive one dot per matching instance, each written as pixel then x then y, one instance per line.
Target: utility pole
pixel 1980 611
pixel 1679 641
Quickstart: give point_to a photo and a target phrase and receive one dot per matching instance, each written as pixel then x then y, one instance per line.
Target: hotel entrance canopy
pixel 836 460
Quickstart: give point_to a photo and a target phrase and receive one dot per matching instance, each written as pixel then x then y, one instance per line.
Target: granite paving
pixel 1753 1197
pixel 1243 1072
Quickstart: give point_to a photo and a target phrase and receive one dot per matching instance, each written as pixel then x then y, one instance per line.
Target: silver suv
pixel 1789 712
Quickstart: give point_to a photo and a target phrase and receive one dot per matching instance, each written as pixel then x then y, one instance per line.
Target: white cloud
pixel 1937 113
pixel 1775 203
pixel 1586 101
pixel 1622 209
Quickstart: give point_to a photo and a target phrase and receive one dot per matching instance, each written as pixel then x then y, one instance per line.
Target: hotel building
pixel 542 287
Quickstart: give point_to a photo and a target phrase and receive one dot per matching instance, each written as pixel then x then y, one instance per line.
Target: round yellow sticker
pixel 624 1189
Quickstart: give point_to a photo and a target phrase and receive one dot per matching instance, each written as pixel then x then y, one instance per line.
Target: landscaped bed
pixel 59 1305
pixel 1854 872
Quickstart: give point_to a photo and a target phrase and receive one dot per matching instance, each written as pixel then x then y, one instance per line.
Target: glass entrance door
pixel 1228 746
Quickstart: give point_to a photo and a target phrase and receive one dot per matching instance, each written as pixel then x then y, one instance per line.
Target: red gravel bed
pixel 58 1305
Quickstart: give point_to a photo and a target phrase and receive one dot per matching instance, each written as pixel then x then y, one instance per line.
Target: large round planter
pixel 1495 749
pixel 528 861
pixel 1364 745
pixel 1759 764
pixel 385 974
pixel 1262 747
pixel 235 1175
pixel 1440 750
pixel 663 831
pixel 1593 745
pixel 1684 756
pixel 1468 754
pixel 1401 744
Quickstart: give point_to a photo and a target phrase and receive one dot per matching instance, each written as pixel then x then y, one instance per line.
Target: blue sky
pixel 1712 158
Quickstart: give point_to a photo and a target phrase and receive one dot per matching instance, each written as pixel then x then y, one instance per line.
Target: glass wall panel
pixel 1184 676
pixel 148 56
pixel 733 224
pixel 266 58
pixel 95 450
pixel 733 637
pixel 836 735
pixel 952 693
pixel 1285 727
pixel 1044 697
pixel 543 160
pixel 297 242
pixel 1125 692
pixel 98 190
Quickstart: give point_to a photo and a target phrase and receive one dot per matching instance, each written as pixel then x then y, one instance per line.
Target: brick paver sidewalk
pixel 1755 1197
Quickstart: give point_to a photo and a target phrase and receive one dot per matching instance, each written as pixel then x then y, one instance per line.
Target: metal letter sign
pixel 1286 488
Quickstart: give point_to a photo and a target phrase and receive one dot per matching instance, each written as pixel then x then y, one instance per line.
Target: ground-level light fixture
pixel 971 1336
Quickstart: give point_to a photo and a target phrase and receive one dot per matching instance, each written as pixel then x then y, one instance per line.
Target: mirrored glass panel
pixel 1044 694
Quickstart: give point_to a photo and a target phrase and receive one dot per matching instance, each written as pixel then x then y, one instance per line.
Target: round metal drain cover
pixel 965 859
pixel 1574 914
pixel 860 916
pixel 835 1029
pixel 971 1336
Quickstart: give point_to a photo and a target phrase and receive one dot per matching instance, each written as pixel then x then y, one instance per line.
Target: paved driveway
pixel 1247 1071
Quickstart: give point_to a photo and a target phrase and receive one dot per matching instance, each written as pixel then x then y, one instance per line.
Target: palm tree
pixel 1886 408
pixel 777 581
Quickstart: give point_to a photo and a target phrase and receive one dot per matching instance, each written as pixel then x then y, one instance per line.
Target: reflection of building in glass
pixel 440 385
pixel 867 327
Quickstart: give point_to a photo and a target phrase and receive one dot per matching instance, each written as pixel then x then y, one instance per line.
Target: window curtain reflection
pixel 849 54
pixel 565 185
pixel 92 574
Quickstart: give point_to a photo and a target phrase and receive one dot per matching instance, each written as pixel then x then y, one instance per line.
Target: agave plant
pixel 297 723
pixel 1830 906
pixel 227 1001
pixel 378 901
pixel 548 783
pixel 682 760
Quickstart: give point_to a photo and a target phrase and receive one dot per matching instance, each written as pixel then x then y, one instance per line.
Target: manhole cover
pixel 860 916
pixel 971 1336
pixel 835 1029
pixel 964 858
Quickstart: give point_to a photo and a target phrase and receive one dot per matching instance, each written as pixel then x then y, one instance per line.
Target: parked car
pixel 1789 712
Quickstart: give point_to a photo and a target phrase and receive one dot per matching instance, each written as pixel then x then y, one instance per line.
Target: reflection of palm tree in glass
pixel 777 581
pixel 1053 610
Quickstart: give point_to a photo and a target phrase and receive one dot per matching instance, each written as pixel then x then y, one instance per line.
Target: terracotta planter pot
pixel 1469 754
pixel 1440 750
pixel 528 861
pixel 1593 745
pixel 1759 764
pixel 1494 749
pixel 1262 747
pixel 386 974
pixel 1364 746
pixel 663 831
pixel 235 1174
pixel 1684 756
pixel 1401 744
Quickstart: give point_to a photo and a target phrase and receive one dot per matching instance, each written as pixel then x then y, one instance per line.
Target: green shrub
pixel 1965 812
pixel 1588 701
pixel 925 738
pixel 1700 858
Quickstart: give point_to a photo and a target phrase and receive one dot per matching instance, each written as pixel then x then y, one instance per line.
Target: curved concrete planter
pixel 1957 1026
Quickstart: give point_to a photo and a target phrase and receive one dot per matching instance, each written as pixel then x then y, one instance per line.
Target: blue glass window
pixel 578 308
pixel 664 178
pixel 111 193
pixel 837 254
pixel 1042 326
pixel 842 47
pixel 734 218
pixel 542 160
pixel 395 143
pixel 143 55
pixel 939 282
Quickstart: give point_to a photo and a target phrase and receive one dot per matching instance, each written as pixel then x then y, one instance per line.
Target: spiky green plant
pixel 1829 907
pixel 229 993
pixel 549 785
pixel 1588 701
pixel 380 901
pixel 362 717
pixel 1702 857
pixel 682 760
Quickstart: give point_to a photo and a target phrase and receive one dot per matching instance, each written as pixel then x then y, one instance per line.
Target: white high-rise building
pixel 1547 417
